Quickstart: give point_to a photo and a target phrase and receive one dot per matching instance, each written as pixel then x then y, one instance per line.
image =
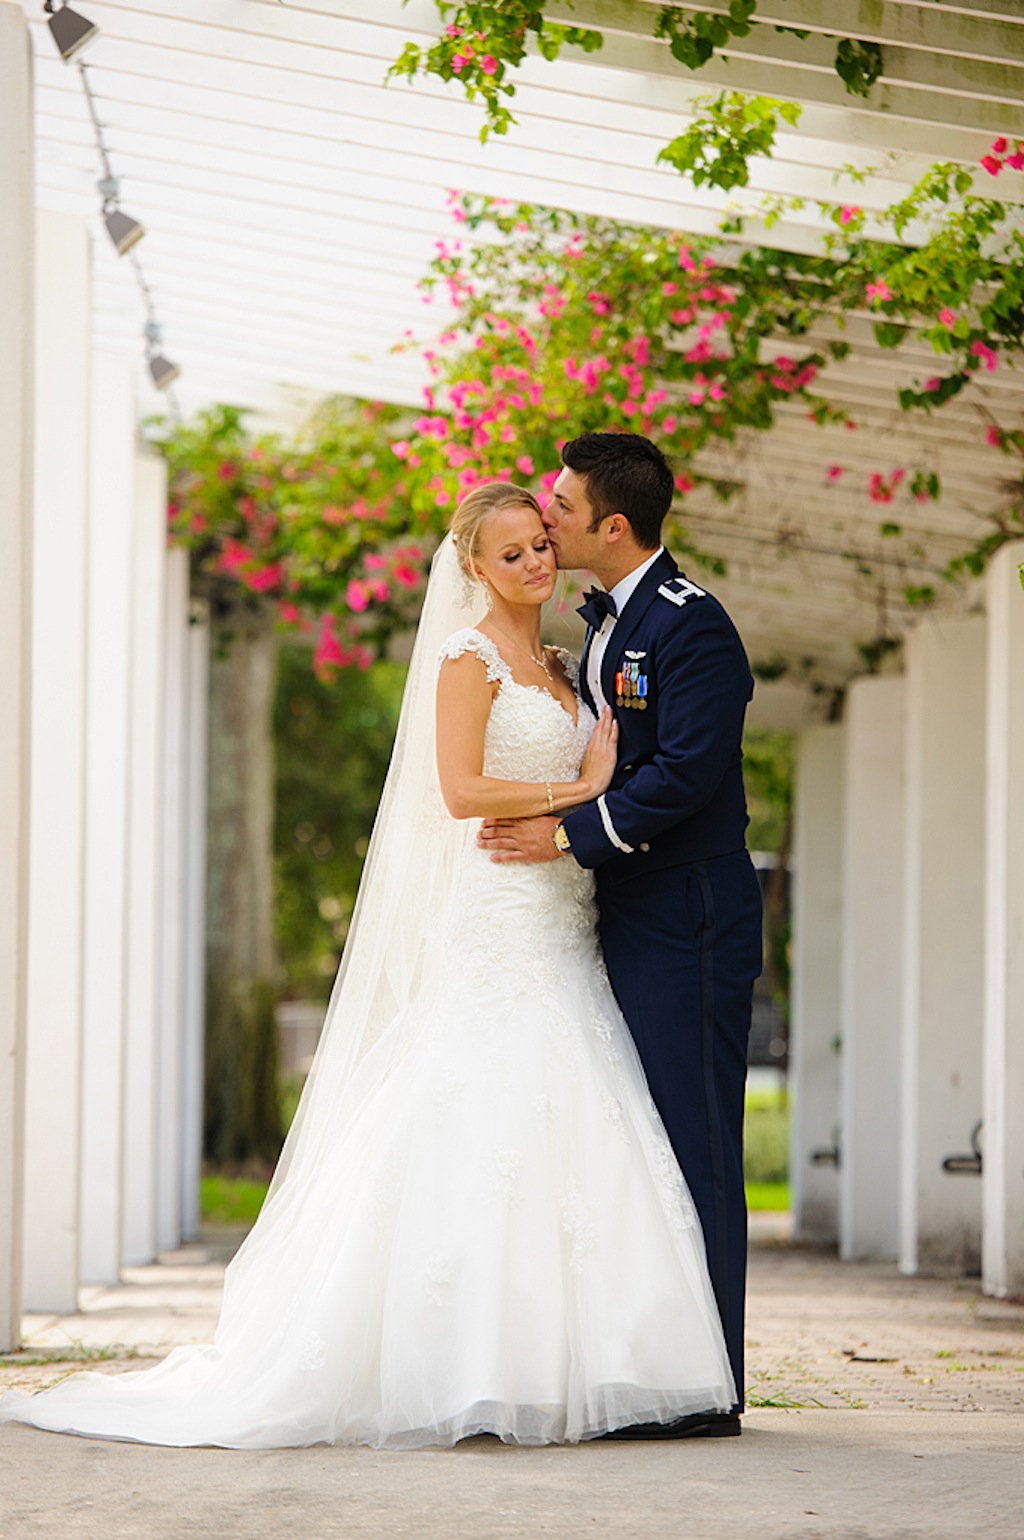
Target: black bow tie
pixel 598 605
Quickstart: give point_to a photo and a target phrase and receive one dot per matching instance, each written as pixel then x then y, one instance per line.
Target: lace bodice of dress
pixel 530 735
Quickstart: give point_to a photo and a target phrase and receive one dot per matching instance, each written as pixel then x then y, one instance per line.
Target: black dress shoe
pixel 696 1425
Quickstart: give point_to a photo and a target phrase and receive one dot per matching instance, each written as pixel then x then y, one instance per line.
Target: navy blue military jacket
pixel 677 794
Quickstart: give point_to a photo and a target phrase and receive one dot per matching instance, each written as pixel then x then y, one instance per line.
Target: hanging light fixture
pixel 71 31
pixel 164 373
pixel 122 229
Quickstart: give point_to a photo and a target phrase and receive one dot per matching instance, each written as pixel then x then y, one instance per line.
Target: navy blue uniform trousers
pixel 683 947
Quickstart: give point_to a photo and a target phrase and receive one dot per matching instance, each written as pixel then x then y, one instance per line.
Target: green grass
pixel 764 1197
pixel 231 1201
pixel 766 1141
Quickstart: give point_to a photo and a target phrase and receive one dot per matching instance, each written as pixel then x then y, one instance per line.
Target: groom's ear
pixel 616 527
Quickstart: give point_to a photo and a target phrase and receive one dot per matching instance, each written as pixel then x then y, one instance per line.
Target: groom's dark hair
pixel 625 473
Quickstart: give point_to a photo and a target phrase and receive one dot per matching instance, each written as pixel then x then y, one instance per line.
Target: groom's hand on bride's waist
pixel 519 839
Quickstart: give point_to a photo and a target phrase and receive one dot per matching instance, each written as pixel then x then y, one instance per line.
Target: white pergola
pixel 292 200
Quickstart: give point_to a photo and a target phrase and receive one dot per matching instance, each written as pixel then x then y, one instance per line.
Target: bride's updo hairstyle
pixel 475 507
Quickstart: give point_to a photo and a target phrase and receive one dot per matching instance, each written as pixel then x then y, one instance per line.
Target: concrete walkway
pixel 882 1407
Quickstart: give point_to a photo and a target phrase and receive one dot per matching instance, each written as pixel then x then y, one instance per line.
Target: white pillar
pixel 57 831
pixel 816 992
pixel 111 506
pixel 198 706
pixel 17 276
pixel 943 975
pixel 872 971
pixel 141 1125
pixel 1003 1133
pixel 170 1003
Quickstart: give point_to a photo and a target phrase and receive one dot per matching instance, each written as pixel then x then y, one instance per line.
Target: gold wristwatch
pixel 561 839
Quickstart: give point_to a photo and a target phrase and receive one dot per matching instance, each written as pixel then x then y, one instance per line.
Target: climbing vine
pixel 565 322
pixel 482 44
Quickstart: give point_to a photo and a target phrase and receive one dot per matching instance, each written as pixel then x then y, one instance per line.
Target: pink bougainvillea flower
pixel 993 436
pixel 686 259
pixel 999 146
pixel 356 596
pixel 226 471
pixel 669 288
pixel 452 30
pixel 263 579
pixel 848 212
pixel 879 291
pixel 1016 160
pixel 489 64
pixel 992 166
pixel 548 480
pixel 329 651
pixel 684 484
pixel 524 465
pixel 401 449
pixel 834 472
pixel 947 318
pixel 404 575
pixel 460 60
pixel 933 384
pixel 289 613
pixel 982 351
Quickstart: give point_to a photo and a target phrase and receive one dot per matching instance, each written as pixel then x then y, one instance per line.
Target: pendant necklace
pixel 541 662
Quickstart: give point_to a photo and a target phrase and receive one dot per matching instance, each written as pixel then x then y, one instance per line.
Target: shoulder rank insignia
pixel 680 590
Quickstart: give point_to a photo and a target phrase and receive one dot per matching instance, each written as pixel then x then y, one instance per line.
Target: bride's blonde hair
pixel 474 508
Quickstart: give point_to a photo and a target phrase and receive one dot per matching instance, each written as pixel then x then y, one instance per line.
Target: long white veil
pixel 391 955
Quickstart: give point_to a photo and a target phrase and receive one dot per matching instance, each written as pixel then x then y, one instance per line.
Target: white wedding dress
pixel 495 1237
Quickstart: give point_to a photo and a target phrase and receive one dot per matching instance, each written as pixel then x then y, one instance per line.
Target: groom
pixel 678 898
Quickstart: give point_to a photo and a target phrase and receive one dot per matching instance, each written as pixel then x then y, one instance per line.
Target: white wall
pixel 111 506
pixel 142 981
pixel 173 808
pixel 941 1081
pixel 17 276
pixel 872 971
pixel 1003 1134
pixel 816 980
pixel 197 704
pixel 57 836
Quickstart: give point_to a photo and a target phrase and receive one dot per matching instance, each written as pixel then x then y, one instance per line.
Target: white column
pixel 943 974
pixel 111 506
pixel 198 705
pixel 816 991
pixel 17 276
pixel 170 1003
pixel 1003 1133
pixel 57 831
pixel 141 1125
pixel 872 971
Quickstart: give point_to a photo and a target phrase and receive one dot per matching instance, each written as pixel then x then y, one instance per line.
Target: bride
pixel 477 1224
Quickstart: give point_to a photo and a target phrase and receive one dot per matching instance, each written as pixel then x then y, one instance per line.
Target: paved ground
pixel 884 1408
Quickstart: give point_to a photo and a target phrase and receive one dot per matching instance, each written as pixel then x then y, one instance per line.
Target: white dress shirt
pixel 621 593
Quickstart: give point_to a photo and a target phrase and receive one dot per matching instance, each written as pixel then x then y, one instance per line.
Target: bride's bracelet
pixel 551 800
